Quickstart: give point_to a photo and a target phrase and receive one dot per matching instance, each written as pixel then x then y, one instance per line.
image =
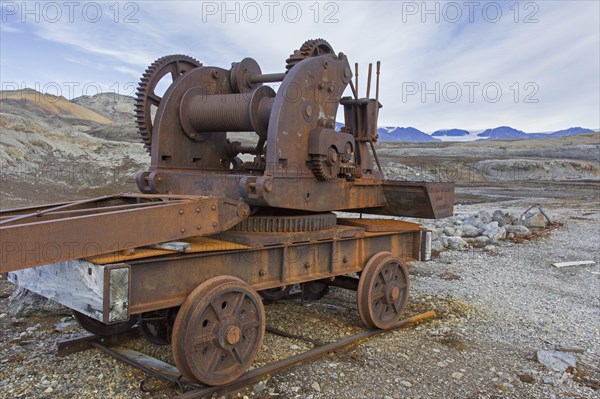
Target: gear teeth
pixel 307 50
pixel 151 76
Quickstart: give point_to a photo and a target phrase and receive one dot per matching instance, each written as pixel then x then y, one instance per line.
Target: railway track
pixel 155 368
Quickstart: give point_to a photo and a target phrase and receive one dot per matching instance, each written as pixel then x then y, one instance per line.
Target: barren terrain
pixel 496 309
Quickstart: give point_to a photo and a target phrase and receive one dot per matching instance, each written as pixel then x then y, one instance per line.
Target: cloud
pixel 9 29
pixel 554 60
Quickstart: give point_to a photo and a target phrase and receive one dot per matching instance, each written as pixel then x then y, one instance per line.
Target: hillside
pixel 32 103
pixel 69 148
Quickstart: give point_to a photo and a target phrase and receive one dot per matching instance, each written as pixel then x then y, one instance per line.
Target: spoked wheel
pixel 382 291
pixel 157 326
pixel 275 294
pixel 314 290
pixel 100 329
pixel 218 331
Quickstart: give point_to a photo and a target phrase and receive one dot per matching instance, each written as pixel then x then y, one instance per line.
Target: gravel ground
pixel 495 312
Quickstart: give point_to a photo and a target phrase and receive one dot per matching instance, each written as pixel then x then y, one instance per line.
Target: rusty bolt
pixel 345 260
pixel 181 211
pixel 197 210
pixel 307 265
pixel 213 207
pixel 261 273
pixel 182 230
pixel 215 224
pixel 198 227
pixel 308 110
pixel 347 72
pixel 159 178
pixel 321 86
pixel 330 89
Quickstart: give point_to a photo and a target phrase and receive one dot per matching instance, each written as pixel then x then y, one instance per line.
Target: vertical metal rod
pixel 356 76
pixel 377 82
pixel 369 79
pixel 376 112
pixel 377 94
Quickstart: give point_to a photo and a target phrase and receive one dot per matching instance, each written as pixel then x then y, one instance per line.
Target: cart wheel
pixel 382 291
pixel 157 326
pixel 314 290
pixel 218 331
pixel 100 329
pixel 275 294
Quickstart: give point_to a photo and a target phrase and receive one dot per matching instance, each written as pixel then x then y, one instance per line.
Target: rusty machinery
pixel 187 257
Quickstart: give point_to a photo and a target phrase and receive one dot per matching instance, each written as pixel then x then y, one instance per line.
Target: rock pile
pixel 483 230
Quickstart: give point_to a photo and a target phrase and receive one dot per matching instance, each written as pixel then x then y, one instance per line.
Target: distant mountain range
pixel 450 133
pixel 411 134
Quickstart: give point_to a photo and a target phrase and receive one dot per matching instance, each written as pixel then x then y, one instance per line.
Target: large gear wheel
pixel 326 167
pixel 310 48
pixel 287 224
pixel 146 97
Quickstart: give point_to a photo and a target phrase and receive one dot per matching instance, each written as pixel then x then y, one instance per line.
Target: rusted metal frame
pixel 82 211
pixel 334 249
pixel 15 214
pixel 165 282
pixel 279 366
pixel 286 334
pixel 97 234
pixel 53 208
pixel 283 265
pixel 69 346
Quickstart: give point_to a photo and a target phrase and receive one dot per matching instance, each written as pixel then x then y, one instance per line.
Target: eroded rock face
pixel 24 303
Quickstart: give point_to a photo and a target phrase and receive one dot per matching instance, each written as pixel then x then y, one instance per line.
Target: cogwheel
pixel 310 48
pixel 287 224
pixel 326 167
pixel 146 98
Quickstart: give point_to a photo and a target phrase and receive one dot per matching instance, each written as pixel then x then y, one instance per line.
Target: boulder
pixel 555 360
pixel 437 246
pixel 502 218
pixel 484 216
pixel 482 240
pixel 449 231
pixel 494 232
pixel 468 230
pixel 444 241
pixel 534 221
pixel 517 229
pixel 456 243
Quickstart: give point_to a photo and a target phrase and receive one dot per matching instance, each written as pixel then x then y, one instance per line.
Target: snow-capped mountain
pixel 411 134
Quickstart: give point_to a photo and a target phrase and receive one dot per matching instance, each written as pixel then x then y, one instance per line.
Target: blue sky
pixel 473 65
